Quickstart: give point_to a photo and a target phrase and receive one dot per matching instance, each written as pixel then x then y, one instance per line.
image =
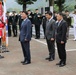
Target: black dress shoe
pixel 58 63
pixel 47 58
pixel 37 38
pixel 62 64
pixel 51 59
pixel 27 62
pixel 1 57
pixel 23 61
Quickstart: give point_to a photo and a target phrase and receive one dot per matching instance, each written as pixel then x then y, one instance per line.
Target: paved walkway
pixel 11 65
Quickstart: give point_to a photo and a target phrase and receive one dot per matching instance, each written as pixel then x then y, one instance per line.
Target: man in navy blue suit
pixel 25 37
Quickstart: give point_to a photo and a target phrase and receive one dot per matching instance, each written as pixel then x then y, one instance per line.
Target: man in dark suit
pixel 44 19
pixel 61 39
pixel 30 17
pixel 37 22
pixel 25 37
pixel 20 20
pixel 14 23
pixel 9 18
pixel 50 36
pixel 68 20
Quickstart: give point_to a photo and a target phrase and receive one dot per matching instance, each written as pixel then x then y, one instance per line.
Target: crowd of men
pixel 55 27
pixel 37 20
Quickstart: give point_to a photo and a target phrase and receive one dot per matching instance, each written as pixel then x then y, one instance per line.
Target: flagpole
pixel 6 26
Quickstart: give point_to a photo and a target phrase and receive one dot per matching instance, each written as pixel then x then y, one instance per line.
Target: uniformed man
pixel 68 20
pixel 9 18
pixel 20 20
pixel 14 23
pixel 30 16
pixel 44 19
pixel 37 22
pixel 74 23
pixel 74 17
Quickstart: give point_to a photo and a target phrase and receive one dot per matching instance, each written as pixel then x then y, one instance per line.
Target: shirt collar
pixel 50 19
pixel 60 20
pixel 25 19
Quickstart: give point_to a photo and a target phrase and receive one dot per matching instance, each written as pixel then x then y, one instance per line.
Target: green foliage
pixel 60 4
pixel 24 1
pixel 56 8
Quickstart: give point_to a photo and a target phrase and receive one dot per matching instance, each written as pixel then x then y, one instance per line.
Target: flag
pixel 1 18
pixel 1 10
pixel 5 20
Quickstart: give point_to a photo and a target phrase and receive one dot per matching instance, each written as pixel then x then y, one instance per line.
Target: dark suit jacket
pixel 19 19
pixel 30 16
pixel 50 29
pixel 61 32
pixel 25 32
pixel 14 19
pixel 9 18
pixel 44 19
pixel 37 19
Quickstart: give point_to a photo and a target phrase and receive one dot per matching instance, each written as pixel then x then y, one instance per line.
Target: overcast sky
pixel 13 4
pixel 37 4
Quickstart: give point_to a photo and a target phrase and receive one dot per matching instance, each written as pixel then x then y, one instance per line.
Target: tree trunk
pixel 60 7
pixel 24 7
pixel 51 2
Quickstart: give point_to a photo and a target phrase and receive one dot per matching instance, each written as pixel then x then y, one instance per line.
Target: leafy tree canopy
pixel 25 1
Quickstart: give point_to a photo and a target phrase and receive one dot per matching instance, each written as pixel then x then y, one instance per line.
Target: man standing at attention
pixel 61 39
pixel 50 36
pixel 25 37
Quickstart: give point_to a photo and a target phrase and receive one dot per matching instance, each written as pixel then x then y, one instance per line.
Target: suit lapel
pixel 23 23
pixel 60 23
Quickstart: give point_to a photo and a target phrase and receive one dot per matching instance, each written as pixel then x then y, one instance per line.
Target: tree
pixel 51 2
pixel 60 4
pixel 25 2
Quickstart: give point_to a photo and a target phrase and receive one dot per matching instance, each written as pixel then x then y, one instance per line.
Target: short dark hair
pixel 75 12
pixel 29 10
pixel 66 11
pixel 49 12
pixel 25 12
pixel 36 9
pixel 60 13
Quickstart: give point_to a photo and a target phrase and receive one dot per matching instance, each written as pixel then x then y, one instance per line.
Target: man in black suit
pixel 9 18
pixel 37 22
pixel 44 19
pixel 61 39
pixel 68 20
pixel 14 23
pixel 50 36
pixel 20 20
pixel 30 17
pixel 25 37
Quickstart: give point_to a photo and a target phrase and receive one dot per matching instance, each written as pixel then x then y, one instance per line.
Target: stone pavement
pixel 11 65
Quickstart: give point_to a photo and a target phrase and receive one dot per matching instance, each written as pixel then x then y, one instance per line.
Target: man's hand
pixel 26 40
pixel 62 42
pixel 52 39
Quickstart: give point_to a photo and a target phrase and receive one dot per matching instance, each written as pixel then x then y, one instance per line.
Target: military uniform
pixel 44 19
pixel 14 25
pixel 30 16
pixel 37 22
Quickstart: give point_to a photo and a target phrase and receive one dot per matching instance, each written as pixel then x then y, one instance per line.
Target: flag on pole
pixel 1 10
pixel 5 20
